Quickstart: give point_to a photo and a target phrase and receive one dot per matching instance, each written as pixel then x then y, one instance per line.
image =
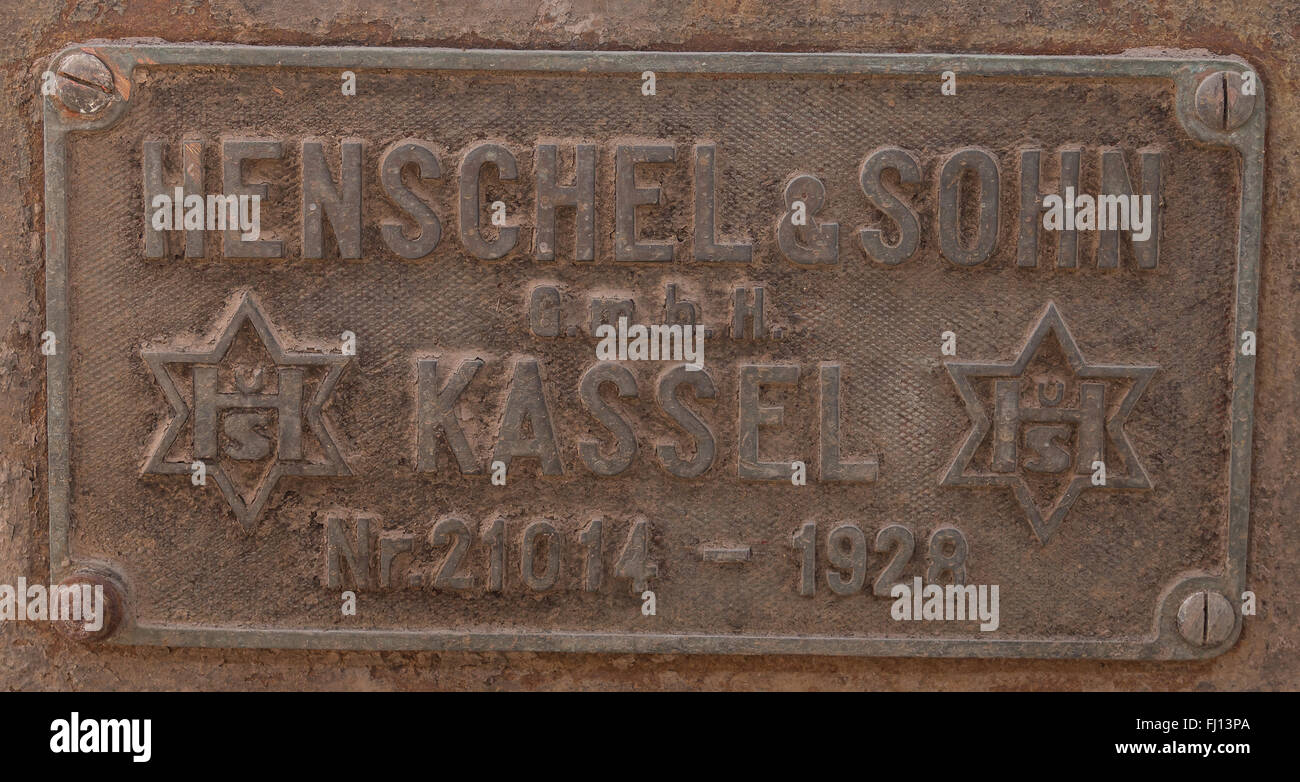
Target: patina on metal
pixel 420 315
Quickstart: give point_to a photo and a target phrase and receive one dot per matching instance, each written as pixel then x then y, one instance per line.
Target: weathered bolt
pixel 113 608
pixel 83 83
pixel 1206 619
pixel 1220 102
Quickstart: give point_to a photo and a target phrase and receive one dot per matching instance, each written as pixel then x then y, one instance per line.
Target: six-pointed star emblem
pixel 201 411
pixel 1094 426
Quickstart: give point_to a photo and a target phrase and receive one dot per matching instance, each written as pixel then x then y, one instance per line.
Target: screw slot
pixel 1206 619
pixel 1220 102
pixel 84 84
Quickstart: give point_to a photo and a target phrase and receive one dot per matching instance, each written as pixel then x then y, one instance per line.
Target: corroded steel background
pixel 1248 664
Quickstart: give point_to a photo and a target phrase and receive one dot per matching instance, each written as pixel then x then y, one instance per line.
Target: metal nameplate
pixel 381 348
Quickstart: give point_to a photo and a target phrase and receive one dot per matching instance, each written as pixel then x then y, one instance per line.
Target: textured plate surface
pixel 329 471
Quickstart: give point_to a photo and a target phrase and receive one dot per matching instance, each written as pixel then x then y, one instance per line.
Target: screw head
pixel 84 84
pixel 114 607
pixel 1221 104
pixel 1206 619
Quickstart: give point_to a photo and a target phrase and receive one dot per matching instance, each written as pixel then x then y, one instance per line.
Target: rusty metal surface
pixel 354 486
pixel 1265 655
